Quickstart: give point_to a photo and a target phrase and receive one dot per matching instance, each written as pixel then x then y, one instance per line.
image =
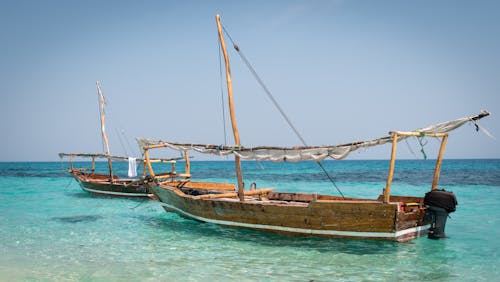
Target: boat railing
pixel 94 156
pixel 171 175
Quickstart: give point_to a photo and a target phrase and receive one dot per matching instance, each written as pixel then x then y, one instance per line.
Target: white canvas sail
pixel 313 153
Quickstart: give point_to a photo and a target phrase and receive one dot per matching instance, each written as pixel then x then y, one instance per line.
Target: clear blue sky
pixel 342 70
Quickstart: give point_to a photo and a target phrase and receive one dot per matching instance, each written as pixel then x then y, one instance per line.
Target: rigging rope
pixel 422 142
pixel 119 131
pixel 271 97
pixel 121 142
pixel 142 202
pixel 409 148
pixel 129 146
pixel 69 184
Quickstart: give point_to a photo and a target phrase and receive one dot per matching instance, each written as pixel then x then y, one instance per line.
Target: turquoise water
pixel 51 230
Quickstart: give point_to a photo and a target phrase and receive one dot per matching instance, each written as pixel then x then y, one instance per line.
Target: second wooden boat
pixel 109 184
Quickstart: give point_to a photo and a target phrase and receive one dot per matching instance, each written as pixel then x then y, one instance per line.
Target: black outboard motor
pixel 440 203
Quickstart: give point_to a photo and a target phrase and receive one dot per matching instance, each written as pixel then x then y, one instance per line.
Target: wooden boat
pixel 109 184
pixel 388 217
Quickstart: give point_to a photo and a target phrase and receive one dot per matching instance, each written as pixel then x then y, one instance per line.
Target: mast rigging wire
pixel 118 130
pixel 270 96
pixel 121 142
pixel 127 149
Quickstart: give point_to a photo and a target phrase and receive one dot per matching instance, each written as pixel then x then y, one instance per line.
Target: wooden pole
pixel 173 172
pixel 148 162
pixel 102 102
pixel 418 134
pixel 187 169
pixel 71 162
pixel 237 160
pixel 387 190
pixel 439 161
pixel 93 165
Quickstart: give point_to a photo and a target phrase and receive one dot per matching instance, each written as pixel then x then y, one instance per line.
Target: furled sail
pixel 115 158
pixel 92 155
pixel 313 153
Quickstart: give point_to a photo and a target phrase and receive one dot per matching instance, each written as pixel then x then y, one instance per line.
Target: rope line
pixel 409 148
pixel 69 184
pixel 121 142
pixel 271 97
pixel 422 142
pixel 142 202
pixel 331 179
pixel 119 131
pixel 132 151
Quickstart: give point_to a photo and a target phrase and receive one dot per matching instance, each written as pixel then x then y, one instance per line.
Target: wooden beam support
pixel 439 161
pixel 187 169
pixel 417 134
pixel 173 172
pixel 161 145
pixel 387 190
pixel 110 165
pixel 148 162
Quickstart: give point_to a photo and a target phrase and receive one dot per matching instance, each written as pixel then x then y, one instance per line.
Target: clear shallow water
pixel 51 230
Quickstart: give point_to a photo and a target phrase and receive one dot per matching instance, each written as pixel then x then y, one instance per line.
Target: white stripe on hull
pixel 116 193
pixel 417 229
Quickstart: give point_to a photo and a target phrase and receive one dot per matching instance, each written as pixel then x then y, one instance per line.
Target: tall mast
pixel 102 102
pixel 237 161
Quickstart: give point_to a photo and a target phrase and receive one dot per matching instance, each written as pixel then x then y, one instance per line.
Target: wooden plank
pixel 234 194
pixel 407 220
pixel 210 186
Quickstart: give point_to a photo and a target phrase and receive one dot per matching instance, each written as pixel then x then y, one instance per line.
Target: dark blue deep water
pixel 51 230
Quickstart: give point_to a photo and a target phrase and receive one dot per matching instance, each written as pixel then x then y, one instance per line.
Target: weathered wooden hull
pixel 99 184
pixel 323 216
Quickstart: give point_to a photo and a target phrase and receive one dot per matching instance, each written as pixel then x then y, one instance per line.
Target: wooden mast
pixel 237 160
pixel 103 129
